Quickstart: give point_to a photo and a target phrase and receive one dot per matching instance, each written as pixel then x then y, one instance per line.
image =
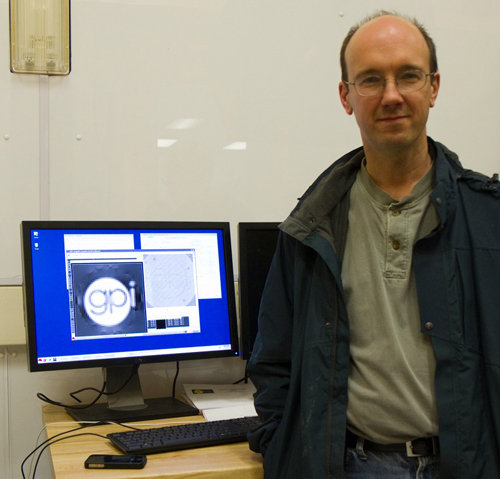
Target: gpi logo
pixel 107 301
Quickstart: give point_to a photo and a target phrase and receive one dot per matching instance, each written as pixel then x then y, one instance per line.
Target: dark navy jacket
pixel 301 357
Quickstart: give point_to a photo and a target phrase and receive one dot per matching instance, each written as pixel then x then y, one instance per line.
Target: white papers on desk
pixel 222 401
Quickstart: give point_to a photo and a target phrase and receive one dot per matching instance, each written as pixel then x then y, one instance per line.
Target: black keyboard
pixel 187 436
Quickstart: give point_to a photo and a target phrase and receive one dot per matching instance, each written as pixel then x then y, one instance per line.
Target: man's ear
pixel 344 97
pixel 436 82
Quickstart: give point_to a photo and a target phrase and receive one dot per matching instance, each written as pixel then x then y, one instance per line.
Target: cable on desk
pixel 40 445
pixel 101 392
pixel 246 377
pixel 47 443
pixel 175 379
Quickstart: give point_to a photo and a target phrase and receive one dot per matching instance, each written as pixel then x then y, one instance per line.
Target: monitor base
pixel 158 408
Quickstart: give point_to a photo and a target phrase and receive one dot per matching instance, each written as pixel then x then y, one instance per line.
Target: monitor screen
pixel 119 294
pixel 256 247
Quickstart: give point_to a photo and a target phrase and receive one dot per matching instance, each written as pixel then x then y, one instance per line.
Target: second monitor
pixel 256 248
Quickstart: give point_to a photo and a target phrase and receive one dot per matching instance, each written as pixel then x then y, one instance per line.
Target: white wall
pixel 264 72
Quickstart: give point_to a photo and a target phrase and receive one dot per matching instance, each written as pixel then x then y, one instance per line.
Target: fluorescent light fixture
pixel 237 145
pixel 166 143
pixel 184 124
pixel 40 37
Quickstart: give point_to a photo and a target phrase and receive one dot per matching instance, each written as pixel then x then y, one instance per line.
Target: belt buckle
pixel 409 450
pixel 434 446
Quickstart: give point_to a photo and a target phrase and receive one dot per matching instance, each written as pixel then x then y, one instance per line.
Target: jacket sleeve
pixel 270 364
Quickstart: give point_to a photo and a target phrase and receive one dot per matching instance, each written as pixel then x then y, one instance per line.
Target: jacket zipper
pixel 329 431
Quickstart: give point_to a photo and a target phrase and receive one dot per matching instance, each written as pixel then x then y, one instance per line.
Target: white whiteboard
pixel 258 75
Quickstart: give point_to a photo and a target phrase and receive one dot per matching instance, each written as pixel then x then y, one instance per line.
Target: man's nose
pixel 391 91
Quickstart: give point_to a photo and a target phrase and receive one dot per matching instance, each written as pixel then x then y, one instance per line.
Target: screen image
pixel 113 294
pixel 107 300
pixel 107 292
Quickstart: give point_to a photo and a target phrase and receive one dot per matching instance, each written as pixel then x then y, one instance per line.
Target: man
pixel 378 353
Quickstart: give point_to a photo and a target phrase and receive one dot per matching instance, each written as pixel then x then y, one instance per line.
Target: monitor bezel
pixel 29 304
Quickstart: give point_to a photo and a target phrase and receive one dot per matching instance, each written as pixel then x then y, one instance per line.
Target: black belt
pixel 424 446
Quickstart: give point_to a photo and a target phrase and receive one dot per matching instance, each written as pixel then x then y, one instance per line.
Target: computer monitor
pixel 257 244
pixel 117 295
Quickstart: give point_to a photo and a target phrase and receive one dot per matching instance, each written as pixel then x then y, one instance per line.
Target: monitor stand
pixel 128 404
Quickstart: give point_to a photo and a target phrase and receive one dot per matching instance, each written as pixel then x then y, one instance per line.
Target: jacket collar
pixel 314 208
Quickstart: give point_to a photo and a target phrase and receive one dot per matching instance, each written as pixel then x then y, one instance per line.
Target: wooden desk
pixel 216 462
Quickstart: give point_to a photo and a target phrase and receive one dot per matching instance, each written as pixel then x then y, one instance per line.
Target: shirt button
pixel 395 245
pixel 429 326
pixel 396 212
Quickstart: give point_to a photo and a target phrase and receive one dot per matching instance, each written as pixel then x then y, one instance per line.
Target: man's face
pixel 390 122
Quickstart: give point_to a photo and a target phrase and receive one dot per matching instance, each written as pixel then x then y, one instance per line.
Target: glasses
pixel 407 82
